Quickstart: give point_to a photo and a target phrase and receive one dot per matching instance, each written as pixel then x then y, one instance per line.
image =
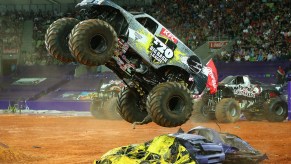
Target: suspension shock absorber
pixel 219 95
pixel 139 88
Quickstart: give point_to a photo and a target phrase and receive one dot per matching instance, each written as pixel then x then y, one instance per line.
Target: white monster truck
pixel 241 94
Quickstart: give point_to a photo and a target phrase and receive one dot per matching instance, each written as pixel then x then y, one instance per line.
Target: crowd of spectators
pixel 11 31
pixel 264 33
pixel 12 25
pixel 260 30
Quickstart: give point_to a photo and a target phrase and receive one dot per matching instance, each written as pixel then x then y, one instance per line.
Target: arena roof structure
pixel 64 2
pixel 20 2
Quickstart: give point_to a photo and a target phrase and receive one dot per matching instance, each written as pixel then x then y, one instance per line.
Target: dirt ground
pixel 37 138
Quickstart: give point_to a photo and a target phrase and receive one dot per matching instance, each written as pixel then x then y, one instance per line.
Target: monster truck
pixel 198 145
pixel 155 65
pixel 242 94
pixel 103 105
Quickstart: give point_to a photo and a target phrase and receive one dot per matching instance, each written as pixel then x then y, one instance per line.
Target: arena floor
pixel 79 138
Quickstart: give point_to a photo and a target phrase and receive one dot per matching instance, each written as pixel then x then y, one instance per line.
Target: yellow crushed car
pixel 199 145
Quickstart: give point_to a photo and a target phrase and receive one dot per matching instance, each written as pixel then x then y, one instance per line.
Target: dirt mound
pixel 82 139
pixel 8 155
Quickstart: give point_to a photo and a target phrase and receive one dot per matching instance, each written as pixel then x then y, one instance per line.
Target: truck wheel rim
pixel 279 110
pixel 232 112
pixel 176 104
pixel 98 44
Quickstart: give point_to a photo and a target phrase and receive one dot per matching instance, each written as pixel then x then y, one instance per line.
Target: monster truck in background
pixel 155 65
pixel 103 104
pixel 241 94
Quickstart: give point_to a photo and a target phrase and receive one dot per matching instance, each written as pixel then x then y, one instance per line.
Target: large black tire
pixel 170 104
pixel 57 37
pixel 110 109
pixel 96 109
pixel 93 42
pixel 275 110
pixel 227 110
pixel 253 116
pixel 200 111
pixel 128 106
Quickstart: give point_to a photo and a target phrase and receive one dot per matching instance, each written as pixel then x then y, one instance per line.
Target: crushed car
pixel 237 95
pixel 158 69
pixel 199 145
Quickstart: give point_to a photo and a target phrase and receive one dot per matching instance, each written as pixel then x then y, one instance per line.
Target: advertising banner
pixel 28 81
pixel 217 44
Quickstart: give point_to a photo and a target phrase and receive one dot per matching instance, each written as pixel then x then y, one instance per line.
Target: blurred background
pixel 243 37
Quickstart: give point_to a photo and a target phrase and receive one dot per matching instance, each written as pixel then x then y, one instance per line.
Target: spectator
pixel 280 75
pixel 265 26
pixel 270 56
